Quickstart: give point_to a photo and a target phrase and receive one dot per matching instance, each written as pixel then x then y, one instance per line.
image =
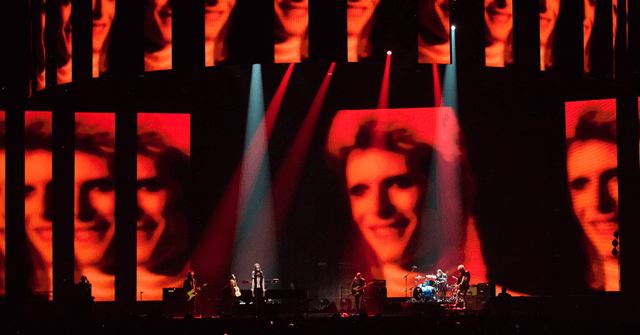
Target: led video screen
pixel 158 35
pixel 63 42
pixel 592 172
pixel 434 40
pixel 94 202
pixel 163 200
pixel 498 18
pixel 3 193
pixel 291 31
pixel 38 214
pixel 38 50
pixel 217 23
pixel 103 14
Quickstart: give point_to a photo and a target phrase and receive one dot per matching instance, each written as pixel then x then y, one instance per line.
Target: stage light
pixel 389 52
pixel 453 27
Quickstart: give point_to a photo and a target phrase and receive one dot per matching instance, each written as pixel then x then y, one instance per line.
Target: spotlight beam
pixel 383 99
pixel 289 174
pixel 218 237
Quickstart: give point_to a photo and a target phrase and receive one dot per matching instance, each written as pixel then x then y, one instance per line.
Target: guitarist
pixel 357 290
pixel 191 290
pixel 463 285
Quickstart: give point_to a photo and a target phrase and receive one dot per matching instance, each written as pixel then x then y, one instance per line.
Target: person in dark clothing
pixel 463 286
pixel 357 290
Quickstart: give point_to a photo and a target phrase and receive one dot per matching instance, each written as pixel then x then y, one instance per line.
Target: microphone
pixel 414 267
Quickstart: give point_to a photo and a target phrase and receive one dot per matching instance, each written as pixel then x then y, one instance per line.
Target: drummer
pixel 441 276
pixel 441 284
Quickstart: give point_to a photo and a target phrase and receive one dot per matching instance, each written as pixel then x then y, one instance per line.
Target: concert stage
pixel 593 314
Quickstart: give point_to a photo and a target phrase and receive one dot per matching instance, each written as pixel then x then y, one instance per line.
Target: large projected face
pixel 359 12
pixel 64 36
pixel 3 225
pixel 433 15
pixel 389 159
pixel 384 198
pixel 104 11
pixel 292 17
pixel 152 199
pixel 592 171
pixel 593 180
pixel 549 11
pixel 216 15
pixel 498 18
pixel 38 202
pixel 587 22
pixel 39 26
pixel 157 21
pixel 94 208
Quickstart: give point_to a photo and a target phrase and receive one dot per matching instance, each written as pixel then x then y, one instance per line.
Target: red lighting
pixel 389 52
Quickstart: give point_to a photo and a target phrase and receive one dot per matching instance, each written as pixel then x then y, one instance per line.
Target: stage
pixel 597 314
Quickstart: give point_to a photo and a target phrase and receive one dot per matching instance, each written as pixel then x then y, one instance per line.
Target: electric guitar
pixel 192 293
pixel 358 289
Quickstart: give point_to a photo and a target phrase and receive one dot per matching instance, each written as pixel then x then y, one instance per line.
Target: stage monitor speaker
pixel 173 301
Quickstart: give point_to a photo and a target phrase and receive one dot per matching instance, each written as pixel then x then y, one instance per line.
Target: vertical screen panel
pixel 63 42
pixel 103 12
pixel 592 165
pixel 291 31
pixel 434 40
pixel 549 12
pixel 162 190
pixel 38 22
pixel 216 28
pixel 3 194
pixel 360 22
pixel 158 35
pixel 94 202
pixel 498 18
pixel 38 203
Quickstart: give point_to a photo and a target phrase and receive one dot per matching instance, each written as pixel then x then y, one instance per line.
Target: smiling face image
pixel 593 182
pixel 384 197
pixel 292 17
pixel 216 15
pixel 104 12
pixel 152 199
pixel 38 191
pixel 498 18
pixel 157 21
pixel 94 208
pixel 359 12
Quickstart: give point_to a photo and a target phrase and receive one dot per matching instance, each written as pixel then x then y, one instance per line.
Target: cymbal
pixel 431 276
pixel 418 277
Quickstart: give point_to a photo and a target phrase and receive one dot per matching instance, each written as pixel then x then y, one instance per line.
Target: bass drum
pixel 417 294
pixel 429 292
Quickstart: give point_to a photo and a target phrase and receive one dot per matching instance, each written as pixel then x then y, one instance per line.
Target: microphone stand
pixel 406 287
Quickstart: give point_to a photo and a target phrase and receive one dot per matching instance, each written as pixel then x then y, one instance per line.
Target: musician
pixel 463 285
pixel 191 289
pixel 357 290
pixel 230 295
pixel 441 283
pixel 258 287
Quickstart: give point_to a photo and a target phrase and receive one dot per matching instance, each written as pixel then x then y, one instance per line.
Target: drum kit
pixel 430 288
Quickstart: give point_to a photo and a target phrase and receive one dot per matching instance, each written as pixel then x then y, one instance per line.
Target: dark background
pixel 512 120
